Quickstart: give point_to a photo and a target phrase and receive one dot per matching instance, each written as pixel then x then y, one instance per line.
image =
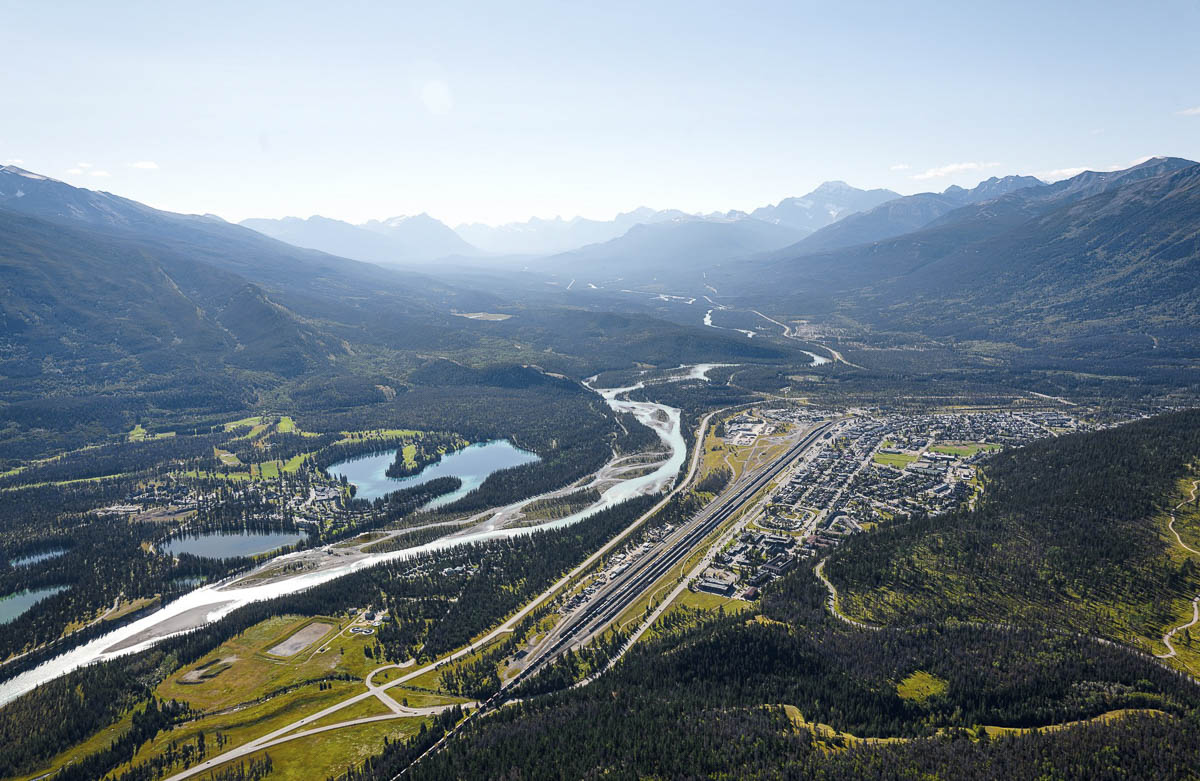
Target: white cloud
pixel 100 173
pixel 1194 111
pixel 146 165
pixel 900 167
pixel 13 161
pixel 953 168
pixel 83 165
pixel 436 96
pixel 75 171
pixel 1059 174
pixel 1066 173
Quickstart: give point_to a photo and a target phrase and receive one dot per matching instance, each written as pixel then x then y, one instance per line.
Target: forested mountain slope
pixel 115 313
pixel 668 248
pixel 1095 255
pixel 705 701
pixel 905 214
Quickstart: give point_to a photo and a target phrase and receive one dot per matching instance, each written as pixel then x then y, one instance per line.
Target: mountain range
pixel 538 236
pixel 420 239
pixel 827 204
pixel 670 246
pixel 1103 260
pixel 101 292
pixel 111 310
pixel 900 215
pixel 394 241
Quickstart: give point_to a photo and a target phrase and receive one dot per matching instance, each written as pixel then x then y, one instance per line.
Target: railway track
pixel 606 606
pixel 642 575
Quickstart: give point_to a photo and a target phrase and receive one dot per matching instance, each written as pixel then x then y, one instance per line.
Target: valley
pixel 823 476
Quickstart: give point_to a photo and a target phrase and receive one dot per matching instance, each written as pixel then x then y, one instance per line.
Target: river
pixel 214 601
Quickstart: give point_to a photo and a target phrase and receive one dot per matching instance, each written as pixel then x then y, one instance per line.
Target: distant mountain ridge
pixel 801 215
pixel 1114 253
pixel 823 206
pixel 540 236
pixel 673 247
pixel 905 214
pixel 397 240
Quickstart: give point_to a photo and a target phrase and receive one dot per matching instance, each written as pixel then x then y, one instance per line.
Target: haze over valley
pixel 658 392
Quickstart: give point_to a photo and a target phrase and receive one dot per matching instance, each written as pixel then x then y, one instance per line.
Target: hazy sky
pixel 499 111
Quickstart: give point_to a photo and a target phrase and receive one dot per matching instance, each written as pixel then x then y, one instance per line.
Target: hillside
pixel 1071 534
pixel 1096 255
pixel 115 312
pixel 671 248
pixel 787 691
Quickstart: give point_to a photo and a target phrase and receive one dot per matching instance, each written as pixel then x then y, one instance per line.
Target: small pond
pixel 14 605
pixel 228 545
pixel 472 465
pixel 25 561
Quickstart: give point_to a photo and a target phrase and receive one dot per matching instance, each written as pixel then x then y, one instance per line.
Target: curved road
pixel 819 571
pixel 1195 602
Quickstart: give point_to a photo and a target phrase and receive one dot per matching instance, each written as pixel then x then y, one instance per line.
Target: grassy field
pixel 963 449
pixel 238 727
pixel 330 753
pixel 422 699
pixel 920 686
pixel 371 706
pixel 139 434
pixel 225 457
pixel 251 673
pixel 896 460
pixel 699 600
pixel 710 602
pixel 250 422
pixel 379 433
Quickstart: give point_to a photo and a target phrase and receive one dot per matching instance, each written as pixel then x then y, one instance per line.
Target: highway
pixel 615 597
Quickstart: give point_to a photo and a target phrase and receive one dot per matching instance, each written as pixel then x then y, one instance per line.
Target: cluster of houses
pixel 175 497
pixel 753 559
pixel 871 468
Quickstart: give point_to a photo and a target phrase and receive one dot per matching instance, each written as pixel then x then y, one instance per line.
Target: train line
pixel 623 591
pixel 626 589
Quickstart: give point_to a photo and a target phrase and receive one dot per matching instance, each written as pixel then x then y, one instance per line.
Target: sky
pixel 495 112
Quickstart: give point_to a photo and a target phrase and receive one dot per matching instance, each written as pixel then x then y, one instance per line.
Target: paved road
pixel 833 596
pixel 790 333
pixel 624 590
pixel 1195 602
pixel 619 594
